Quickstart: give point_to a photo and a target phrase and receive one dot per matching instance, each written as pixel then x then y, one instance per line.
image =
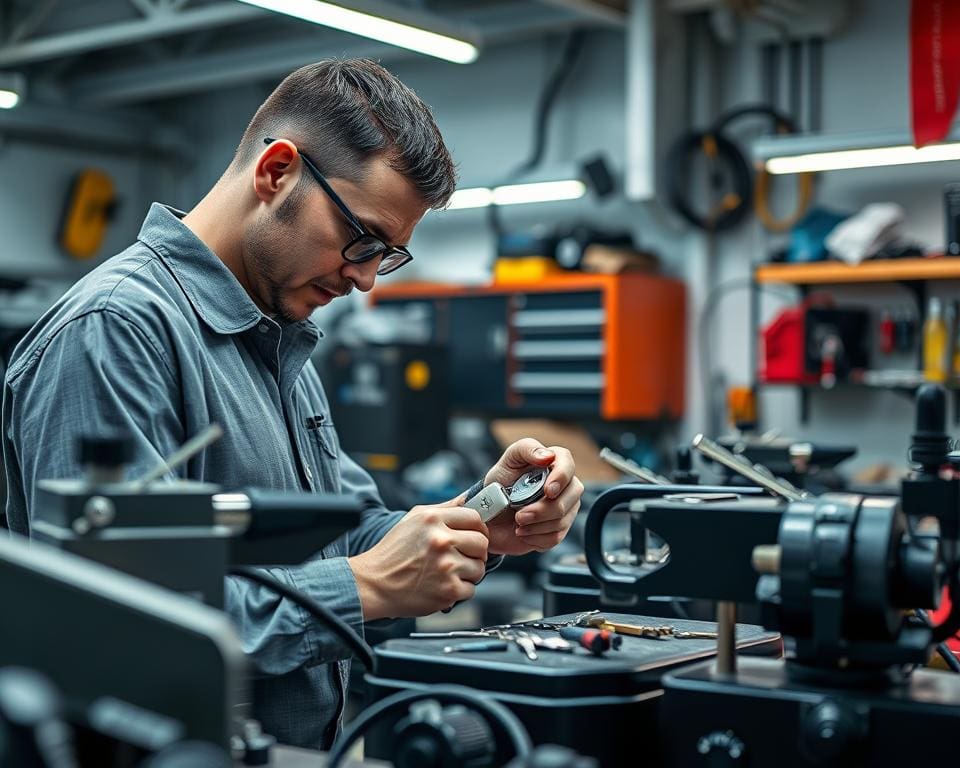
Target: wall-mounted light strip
pixel 8 99
pixel 374 27
pixel 904 154
pixel 13 85
pixel 518 194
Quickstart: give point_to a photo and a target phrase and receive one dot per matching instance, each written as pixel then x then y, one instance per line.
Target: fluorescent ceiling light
pixel 375 27
pixel 518 194
pixel 904 154
pixel 13 85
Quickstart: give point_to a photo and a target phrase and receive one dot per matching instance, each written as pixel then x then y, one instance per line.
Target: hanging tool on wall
pixel 730 185
pixel 90 207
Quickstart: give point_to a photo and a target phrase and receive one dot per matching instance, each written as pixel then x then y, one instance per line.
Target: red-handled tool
pixel 597 641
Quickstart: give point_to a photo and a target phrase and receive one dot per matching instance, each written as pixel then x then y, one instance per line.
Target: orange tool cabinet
pixel 606 346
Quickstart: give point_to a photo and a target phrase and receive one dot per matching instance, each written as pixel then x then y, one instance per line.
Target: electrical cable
pixel 320 612
pixel 942 648
pixel 723 155
pixel 495 713
pixel 545 104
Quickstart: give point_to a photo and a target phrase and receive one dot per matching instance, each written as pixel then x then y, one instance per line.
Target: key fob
pixel 494 498
pixel 490 502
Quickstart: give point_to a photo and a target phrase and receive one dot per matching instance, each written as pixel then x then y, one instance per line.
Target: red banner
pixel 934 67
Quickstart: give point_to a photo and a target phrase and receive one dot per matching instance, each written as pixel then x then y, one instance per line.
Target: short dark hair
pixel 343 112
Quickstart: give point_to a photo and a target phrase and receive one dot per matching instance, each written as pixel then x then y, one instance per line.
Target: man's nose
pixel 361 275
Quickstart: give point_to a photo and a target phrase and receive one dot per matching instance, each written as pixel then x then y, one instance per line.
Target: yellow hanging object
pixel 90 206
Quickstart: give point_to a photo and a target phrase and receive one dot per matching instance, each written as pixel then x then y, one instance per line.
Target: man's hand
pixel 543 524
pixel 432 558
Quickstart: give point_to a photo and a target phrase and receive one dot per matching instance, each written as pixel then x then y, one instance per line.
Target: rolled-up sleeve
pixel 281 636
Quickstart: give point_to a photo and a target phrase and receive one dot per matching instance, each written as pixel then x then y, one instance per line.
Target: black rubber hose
pixel 942 648
pixel 545 103
pixel 321 613
pixel 495 713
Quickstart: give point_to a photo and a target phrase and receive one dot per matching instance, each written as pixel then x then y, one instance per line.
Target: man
pixel 205 319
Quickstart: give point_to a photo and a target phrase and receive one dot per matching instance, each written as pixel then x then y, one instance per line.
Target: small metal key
pixel 683 634
pixel 552 644
pixel 576 621
pixel 527 646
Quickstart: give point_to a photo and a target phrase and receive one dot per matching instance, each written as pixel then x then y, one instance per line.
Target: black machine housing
pixel 839 576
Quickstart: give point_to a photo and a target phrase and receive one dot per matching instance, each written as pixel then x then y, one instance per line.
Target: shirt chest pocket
pixel 325 447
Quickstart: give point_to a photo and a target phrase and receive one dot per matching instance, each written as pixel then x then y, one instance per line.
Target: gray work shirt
pixel 158 342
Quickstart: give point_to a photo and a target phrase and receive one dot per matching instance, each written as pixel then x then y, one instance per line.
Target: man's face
pixel 292 251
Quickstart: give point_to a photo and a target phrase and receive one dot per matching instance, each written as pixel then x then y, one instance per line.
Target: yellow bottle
pixel 935 340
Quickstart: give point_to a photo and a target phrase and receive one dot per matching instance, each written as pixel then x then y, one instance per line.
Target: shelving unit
pixel 912 274
pixel 839 273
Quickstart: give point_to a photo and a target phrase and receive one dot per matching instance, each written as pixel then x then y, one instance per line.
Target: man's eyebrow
pixel 379 232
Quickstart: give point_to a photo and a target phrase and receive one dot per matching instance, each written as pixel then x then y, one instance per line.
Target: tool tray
pixel 562 698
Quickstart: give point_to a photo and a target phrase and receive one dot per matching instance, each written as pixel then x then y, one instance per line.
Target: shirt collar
pixel 213 290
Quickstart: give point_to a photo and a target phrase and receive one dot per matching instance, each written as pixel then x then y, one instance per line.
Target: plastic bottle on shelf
pixel 936 339
pixel 887 332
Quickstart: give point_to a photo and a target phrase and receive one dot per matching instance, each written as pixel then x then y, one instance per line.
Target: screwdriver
pixel 597 641
pixel 480 645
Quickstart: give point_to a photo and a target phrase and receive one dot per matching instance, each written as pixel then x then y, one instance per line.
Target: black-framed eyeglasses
pixel 366 246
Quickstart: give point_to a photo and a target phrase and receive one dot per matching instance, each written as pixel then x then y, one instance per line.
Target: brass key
pixel 659 632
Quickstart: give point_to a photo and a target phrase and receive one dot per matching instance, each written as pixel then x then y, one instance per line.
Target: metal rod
pixel 756 473
pixel 726 638
pixel 630 467
pixel 187 451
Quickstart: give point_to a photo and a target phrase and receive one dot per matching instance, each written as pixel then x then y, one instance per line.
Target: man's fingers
pixel 562 472
pixel 456 501
pixel 549 526
pixel 471 544
pixel 543 542
pixel 554 509
pixel 517 458
pixel 472 570
pixel 463 519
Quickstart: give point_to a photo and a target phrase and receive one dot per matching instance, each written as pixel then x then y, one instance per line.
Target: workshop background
pixel 685 286
pixel 156 94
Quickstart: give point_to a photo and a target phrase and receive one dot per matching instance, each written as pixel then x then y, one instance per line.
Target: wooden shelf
pixel 836 272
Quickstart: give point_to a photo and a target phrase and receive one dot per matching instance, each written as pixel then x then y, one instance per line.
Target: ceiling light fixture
pixel 903 154
pixel 825 152
pixel 13 87
pixel 518 194
pixel 375 27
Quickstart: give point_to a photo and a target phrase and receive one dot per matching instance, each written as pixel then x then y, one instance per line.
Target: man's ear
pixel 276 170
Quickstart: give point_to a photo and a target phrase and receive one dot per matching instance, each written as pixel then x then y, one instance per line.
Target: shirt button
pixel 263 328
pixel 309 474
